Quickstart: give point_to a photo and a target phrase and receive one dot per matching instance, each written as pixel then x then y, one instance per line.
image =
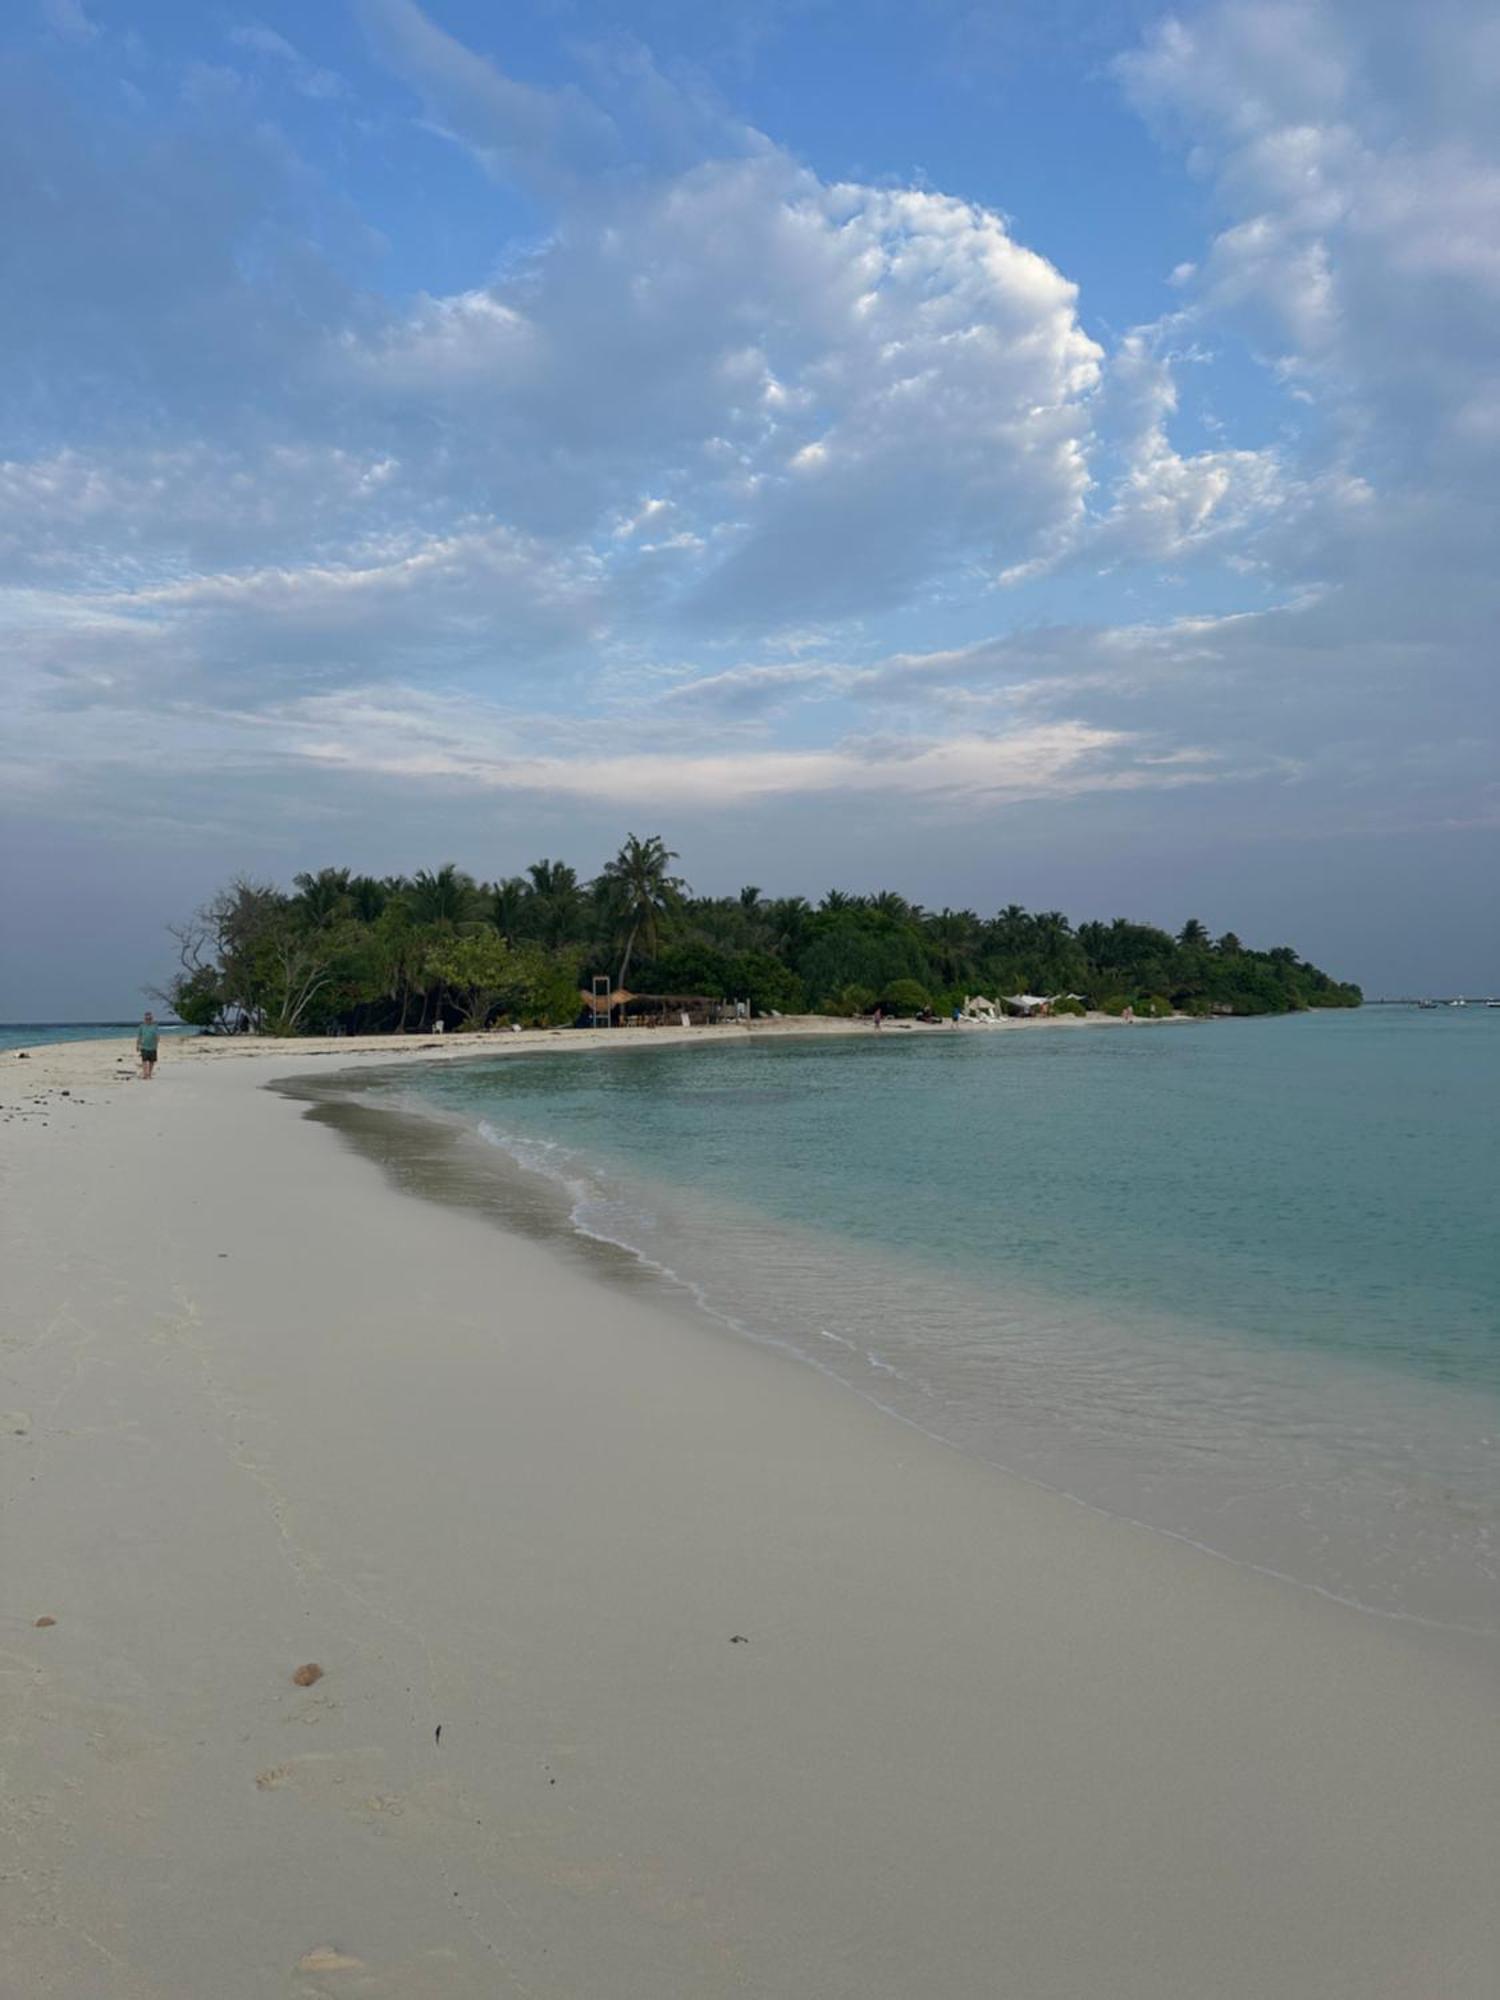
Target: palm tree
pixel 953 936
pixel 367 897
pixel 324 897
pixel 556 901
pixel 1193 933
pixel 507 900
pixel 447 897
pixel 641 890
pixel 788 917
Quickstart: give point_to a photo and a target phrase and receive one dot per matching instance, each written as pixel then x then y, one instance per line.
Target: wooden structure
pixel 603 1007
pixel 659 1010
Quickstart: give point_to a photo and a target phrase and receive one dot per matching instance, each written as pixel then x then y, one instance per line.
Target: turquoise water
pixel 36 1034
pixel 1238 1280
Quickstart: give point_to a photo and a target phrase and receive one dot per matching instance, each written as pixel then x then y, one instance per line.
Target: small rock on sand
pixel 323 1958
pixel 305 1676
pixel 40 1623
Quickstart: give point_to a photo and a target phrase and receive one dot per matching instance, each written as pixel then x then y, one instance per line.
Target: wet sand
pixel 651 1663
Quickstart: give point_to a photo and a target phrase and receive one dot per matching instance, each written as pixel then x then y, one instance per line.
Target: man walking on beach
pixel 145 1042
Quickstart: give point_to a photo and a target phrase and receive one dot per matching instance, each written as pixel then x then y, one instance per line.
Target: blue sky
pixel 1025 453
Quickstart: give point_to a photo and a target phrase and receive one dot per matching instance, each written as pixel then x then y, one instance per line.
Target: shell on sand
pixel 323 1958
pixel 305 1676
pixel 40 1622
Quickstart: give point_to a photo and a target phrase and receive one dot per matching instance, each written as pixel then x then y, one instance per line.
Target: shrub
pixel 905 996
pixel 849 1001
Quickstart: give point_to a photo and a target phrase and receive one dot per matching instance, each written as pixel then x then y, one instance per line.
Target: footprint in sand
pixel 345 1778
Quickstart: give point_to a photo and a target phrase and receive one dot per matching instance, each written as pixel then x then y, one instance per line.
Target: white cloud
pixel 306 77
pixel 408 735
pixel 68 19
pixel 670 467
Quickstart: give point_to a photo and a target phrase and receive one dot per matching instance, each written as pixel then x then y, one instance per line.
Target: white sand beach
pixel 653 1665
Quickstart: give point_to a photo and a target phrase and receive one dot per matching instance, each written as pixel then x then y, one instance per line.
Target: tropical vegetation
pixel 355 954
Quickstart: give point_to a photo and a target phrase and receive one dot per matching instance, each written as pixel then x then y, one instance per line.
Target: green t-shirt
pixel 145 1039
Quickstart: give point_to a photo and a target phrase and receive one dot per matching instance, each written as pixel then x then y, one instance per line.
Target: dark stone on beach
pixel 43 1622
pixel 22 1056
pixel 305 1676
pixel 738 1639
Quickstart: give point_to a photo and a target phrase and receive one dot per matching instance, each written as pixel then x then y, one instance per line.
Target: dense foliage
pixel 350 953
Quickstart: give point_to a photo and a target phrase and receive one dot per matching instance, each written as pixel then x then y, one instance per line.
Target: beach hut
pixel 1027 1005
pixel 656 1010
pixel 610 1004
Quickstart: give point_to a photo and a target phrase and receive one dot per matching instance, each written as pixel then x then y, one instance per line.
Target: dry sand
pixel 742 1687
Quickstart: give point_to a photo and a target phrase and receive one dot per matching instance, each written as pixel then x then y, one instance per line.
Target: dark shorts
pixel 148 1057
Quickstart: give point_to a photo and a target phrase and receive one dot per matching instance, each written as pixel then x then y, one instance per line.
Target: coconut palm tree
pixel 556 902
pixel 640 890
pixel 788 917
pixel 324 897
pixel 367 897
pixel 447 896
pixel 953 936
pixel 507 900
pixel 1193 933
pixel 1011 928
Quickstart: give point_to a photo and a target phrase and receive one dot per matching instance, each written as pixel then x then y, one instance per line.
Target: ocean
pixel 1238 1281
pixel 36 1034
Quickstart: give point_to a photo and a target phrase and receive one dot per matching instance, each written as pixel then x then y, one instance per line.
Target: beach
pixel 652 1664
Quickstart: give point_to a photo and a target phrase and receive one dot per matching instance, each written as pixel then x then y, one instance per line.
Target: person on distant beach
pixel 879 1016
pixel 146 1040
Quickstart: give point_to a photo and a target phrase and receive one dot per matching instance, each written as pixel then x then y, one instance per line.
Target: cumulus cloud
pixel 845 391
pixel 1352 151
pixel 673 502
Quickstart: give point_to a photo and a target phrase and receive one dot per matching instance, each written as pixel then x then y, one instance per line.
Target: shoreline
pixel 106 1061
pixel 741 1686
pixel 442 1156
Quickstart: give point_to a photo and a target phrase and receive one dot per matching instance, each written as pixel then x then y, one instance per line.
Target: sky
pixel 1040 452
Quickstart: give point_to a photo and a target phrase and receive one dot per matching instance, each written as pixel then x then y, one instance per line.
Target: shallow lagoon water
pixel 1236 1280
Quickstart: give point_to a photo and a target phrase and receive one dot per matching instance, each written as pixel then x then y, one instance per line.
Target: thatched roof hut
pixel 667 1006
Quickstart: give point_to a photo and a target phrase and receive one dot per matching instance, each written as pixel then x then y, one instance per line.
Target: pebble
pixel 324 1958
